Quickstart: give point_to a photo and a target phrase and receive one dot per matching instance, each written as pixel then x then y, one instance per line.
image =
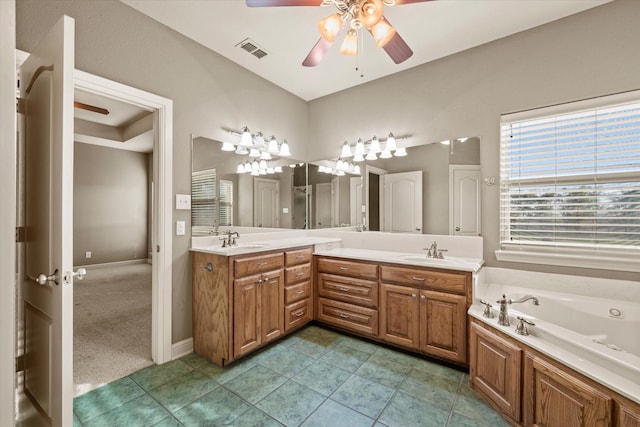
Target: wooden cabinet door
pixel 271 306
pixel 555 397
pixel 443 325
pixel 399 310
pixel 246 316
pixel 494 370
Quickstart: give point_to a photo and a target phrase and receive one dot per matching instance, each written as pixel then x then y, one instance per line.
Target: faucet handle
pixel 439 255
pixel 487 309
pixel 503 300
pixel 521 327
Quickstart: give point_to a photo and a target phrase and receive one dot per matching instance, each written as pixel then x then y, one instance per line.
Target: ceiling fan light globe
pixel 370 12
pixel 329 27
pixel 382 33
pixel 350 44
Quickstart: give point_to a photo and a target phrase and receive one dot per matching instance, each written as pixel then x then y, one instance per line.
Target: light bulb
pixel 259 140
pixel 356 170
pixel 240 168
pixel 346 150
pixel 358 158
pixel 241 150
pixel 273 145
pixel 329 27
pixel 262 164
pixel 400 152
pixel 227 146
pixel 382 32
pixel 371 156
pixel 253 152
pixel 375 145
pixel 350 43
pixel 255 165
pixel 386 154
pixel 246 140
pixel 359 148
pixel 391 143
pixel 284 148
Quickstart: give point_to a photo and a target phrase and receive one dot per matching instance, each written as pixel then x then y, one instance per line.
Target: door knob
pixel 42 278
pixel 457 228
pixel 80 274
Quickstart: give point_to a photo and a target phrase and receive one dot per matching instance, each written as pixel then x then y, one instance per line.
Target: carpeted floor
pixel 111 324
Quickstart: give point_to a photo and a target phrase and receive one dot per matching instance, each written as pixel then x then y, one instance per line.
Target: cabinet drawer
pixel 348 289
pixel 348 268
pixel 297 314
pixel 447 282
pixel 348 316
pixel 297 292
pixel 257 264
pixel 297 256
pixel 296 274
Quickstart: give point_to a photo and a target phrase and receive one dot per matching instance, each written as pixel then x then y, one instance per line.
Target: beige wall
pixel 110 204
pixel 585 55
pixel 589 54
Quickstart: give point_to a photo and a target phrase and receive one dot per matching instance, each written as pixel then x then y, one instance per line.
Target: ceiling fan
pixel 355 14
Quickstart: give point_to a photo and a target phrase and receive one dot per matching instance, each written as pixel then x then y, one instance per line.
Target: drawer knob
pixel 344 316
pixel 300 273
pixel 262 264
pixel 421 279
pixel 300 292
pixel 344 268
pixel 299 314
pixel 343 289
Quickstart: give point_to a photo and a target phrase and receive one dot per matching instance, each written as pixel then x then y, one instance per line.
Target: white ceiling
pixel 432 29
pixel 126 127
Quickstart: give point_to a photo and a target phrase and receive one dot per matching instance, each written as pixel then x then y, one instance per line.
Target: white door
pixel 323 205
pixel 265 203
pixel 48 84
pixel 403 202
pixel 464 200
pixel 355 200
pixel 335 202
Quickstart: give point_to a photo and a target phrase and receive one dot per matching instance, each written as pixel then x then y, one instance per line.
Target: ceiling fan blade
pixel 400 2
pixel 396 48
pixel 272 3
pixel 92 108
pixel 317 53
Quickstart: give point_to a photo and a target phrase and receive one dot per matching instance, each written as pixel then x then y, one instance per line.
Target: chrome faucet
pixel 434 252
pixel 503 316
pixel 230 239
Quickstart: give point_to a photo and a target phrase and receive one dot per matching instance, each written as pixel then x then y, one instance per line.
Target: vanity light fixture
pixel 284 149
pixel 240 168
pixel 241 150
pixel 246 140
pixel 227 146
pixel 373 149
pixel 254 152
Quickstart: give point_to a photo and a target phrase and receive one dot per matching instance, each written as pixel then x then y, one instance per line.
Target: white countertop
pixel 406 258
pixel 249 247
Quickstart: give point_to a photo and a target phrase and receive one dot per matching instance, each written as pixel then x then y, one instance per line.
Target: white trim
pixel 619 262
pixel 181 348
pixel 163 176
pixel 114 263
pixel 7 212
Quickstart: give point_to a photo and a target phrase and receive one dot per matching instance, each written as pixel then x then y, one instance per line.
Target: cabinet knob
pixel 207 267
pixel 422 297
pixel 414 296
pixel 418 278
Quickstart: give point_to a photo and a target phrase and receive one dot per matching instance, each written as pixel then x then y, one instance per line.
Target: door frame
pixel 162 230
pixel 368 169
pixel 8 283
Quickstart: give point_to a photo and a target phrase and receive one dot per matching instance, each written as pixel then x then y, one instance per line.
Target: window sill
pixel 626 261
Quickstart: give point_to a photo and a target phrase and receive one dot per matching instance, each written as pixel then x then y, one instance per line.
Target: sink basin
pixel 250 245
pixel 432 261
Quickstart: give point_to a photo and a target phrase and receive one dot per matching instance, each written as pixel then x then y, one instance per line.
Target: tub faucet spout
pixel 525 299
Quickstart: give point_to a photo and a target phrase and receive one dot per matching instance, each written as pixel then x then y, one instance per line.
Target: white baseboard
pixel 114 263
pixel 181 348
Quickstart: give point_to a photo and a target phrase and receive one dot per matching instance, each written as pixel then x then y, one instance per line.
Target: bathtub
pixel 598 336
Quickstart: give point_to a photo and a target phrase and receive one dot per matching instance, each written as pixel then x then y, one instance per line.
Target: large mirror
pixel 435 189
pixel 221 196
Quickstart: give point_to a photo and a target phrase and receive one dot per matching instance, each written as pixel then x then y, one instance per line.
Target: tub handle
pixel 521 327
pixel 487 309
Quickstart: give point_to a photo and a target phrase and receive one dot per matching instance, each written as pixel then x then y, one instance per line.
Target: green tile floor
pixel 315 377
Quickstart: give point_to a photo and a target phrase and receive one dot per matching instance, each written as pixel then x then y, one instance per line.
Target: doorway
pixel 60 389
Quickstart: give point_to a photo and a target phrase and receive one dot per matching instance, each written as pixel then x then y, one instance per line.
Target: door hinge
pixel 158 248
pixel 21 105
pixel 21 234
pixel 20 363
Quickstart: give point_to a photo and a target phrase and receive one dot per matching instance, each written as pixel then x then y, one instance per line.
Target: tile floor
pixel 314 377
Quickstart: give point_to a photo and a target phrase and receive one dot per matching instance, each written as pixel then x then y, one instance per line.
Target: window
pixel 226 203
pixel 570 184
pixel 203 198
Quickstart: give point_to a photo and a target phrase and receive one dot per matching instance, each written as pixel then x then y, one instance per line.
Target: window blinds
pixel 571 179
pixel 226 203
pixel 203 198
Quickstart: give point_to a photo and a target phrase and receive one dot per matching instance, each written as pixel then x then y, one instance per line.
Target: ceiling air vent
pixel 253 48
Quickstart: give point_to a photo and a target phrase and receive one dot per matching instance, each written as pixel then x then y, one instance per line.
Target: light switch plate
pixel 180 228
pixel 285 210
pixel 183 201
